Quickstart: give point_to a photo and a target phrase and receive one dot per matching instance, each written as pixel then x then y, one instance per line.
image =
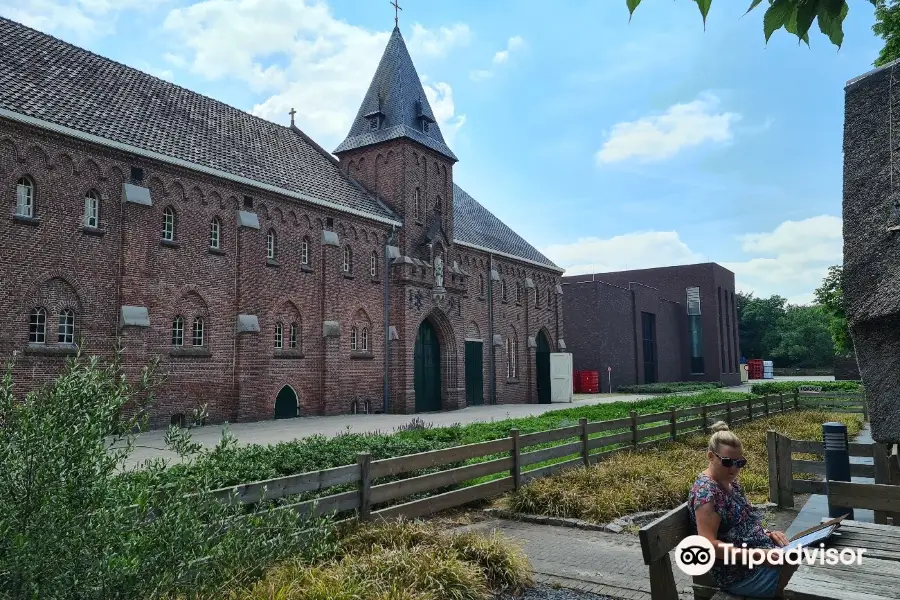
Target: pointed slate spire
pixel 395 105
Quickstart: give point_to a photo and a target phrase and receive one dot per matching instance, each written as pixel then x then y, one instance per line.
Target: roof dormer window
pixel 375 117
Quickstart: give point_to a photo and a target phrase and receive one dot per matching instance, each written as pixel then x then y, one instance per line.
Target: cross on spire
pixel 397 8
pixel 292 113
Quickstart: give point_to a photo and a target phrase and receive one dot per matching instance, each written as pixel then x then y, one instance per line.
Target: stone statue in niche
pixel 438 272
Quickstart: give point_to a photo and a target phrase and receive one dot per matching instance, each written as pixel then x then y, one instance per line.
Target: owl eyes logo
pixel 695 555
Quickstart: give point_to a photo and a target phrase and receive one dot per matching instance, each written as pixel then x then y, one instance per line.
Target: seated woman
pixel 723 515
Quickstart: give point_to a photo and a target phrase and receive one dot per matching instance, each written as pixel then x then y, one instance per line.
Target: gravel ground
pixel 543 592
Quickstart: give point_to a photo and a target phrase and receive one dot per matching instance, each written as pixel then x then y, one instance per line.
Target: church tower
pixel 395 149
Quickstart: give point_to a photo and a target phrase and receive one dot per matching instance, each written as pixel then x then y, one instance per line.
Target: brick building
pixel 666 324
pixel 271 277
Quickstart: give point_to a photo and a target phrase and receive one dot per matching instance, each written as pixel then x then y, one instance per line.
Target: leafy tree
pixel 758 324
pixel 804 338
pixel 887 27
pixel 795 16
pixel 831 298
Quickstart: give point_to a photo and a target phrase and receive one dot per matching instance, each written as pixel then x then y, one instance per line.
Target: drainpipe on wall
pixel 387 323
pixel 490 291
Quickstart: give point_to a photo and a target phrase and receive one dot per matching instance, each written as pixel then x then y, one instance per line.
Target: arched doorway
pixel 542 356
pixel 427 369
pixel 286 406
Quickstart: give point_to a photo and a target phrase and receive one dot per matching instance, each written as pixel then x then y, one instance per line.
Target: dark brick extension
pixel 603 318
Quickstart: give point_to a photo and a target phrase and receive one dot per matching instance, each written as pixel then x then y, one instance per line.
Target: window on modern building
pixel 270 244
pixel 178 331
pixel 25 197
pixel 292 340
pixel 168 231
pixel 417 206
pixel 373 264
pixel 37 326
pixel 695 329
pixel 197 335
pixel 304 251
pixel 364 339
pixel 92 209
pixel 348 260
pixel 279 336
pixel 353 338
pixel 215 234
pixel 66 331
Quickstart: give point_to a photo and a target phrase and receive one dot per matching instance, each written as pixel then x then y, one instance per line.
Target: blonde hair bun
pixel 719 426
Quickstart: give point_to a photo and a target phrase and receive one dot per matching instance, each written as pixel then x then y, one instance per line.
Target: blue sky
pixel 606 144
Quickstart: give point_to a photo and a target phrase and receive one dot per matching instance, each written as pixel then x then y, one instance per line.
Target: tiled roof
pixel 476 225
pixel 45 78
pixel 396 91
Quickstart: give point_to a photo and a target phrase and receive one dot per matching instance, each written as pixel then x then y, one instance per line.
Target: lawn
pixel 660 478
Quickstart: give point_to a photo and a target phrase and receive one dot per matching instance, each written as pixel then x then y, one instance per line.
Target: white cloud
pixel 84 19
pixel 501 57
pixel 299 55
pixel 440 97
pixel 662 136
pixel 642 250
pixel 790 260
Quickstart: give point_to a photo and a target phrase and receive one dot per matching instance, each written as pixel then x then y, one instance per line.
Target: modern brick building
pixel 271 277
pixel 666 324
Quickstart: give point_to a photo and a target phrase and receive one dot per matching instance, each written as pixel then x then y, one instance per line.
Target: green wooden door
pixel 428 369
pixel 286 403
pixel 542 356
pixel 474 374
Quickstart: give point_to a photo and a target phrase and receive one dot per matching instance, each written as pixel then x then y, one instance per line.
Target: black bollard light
pixel 837 461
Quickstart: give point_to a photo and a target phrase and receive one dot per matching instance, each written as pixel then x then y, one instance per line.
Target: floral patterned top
pixel 740 523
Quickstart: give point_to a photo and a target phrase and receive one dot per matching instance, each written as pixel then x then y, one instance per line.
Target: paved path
pixel 591 561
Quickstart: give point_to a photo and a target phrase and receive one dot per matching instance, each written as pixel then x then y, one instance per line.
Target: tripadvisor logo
pixel 695 555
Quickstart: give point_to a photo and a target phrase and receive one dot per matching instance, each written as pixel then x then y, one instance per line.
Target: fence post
pixel 585 449
pixel 750 409
pixel 785 470
pixel 882 460
pixel 796 398
pixel 634 429
pixel 516 471
pixel 705 419
pixel 766 405
pixel 673 420
pixel 728 412
pixel 365 485
pixel 772 449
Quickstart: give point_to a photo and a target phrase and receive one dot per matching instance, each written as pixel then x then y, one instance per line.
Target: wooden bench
pixel 661 537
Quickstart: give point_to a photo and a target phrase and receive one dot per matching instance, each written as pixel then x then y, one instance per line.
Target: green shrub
pixel 672 387
pixel 781 387
pixel 69 529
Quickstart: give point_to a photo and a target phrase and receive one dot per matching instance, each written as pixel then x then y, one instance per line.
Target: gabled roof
pixel 48 79
pixel 477 226
pixel 395 96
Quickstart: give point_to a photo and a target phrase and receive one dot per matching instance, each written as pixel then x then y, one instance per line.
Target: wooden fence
pixel 504 461
pixel 835 401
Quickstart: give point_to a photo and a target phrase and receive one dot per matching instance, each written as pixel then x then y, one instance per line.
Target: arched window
pixel 515 357
pixel 518 293
pixel 353 338
pixel 215 234
pixel 503 289
pixel 279 336
pixel 508 358
pixel 25 197
pixel 348 259
pixel 168 232
pixel 304 251
pixel 292 340
pixel 197 333
pixel 66 331
pixel 364 341
pixel 417 207
pixel 92 209
pixel 373 265
pixel 270 244
pixel 37 326
pixel 178 331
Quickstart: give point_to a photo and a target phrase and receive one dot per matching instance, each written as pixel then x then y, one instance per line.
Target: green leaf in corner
pixel 703 5
pixel 632 4
pixel 806 14
pixel 753 5
pixel 831 18
pixel 776 17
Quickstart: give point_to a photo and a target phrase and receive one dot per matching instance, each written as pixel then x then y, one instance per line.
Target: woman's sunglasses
pixel 730 462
